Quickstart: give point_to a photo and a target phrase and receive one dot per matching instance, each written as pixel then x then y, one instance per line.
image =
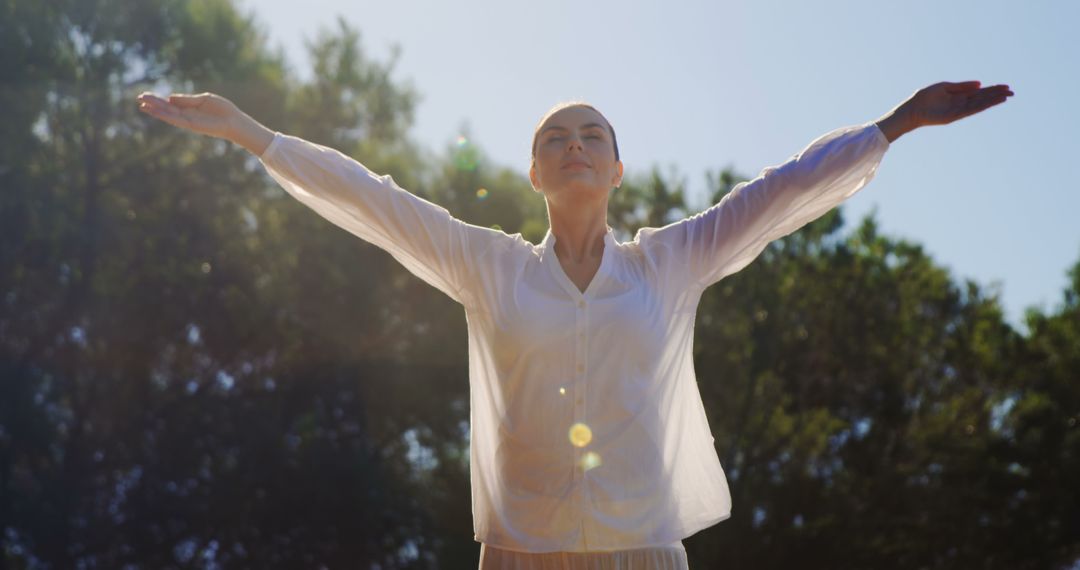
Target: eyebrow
pixel 558 128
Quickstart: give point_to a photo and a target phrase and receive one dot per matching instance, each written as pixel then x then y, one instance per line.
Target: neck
pixel 579 236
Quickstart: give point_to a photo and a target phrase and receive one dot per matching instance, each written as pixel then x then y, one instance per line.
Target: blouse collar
pixel 549 258
pixel 548 242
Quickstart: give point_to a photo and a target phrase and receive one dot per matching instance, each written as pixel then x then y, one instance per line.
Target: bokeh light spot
pixel 481 194
pixel 465 155
pixel 562 390
pixel 590 460
pixel 580 435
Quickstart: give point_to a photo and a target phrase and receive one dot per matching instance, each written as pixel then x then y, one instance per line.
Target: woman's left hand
pixel 945 102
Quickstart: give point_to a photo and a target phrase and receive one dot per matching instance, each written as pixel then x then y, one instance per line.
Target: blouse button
pixel 581 304
pixel 581 368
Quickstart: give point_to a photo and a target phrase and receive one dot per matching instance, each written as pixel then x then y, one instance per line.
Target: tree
pixel 195 370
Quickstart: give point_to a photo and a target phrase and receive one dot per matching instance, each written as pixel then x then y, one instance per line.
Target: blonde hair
pixel 567 105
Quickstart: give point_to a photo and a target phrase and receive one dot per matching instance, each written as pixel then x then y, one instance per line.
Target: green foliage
pixel 195 370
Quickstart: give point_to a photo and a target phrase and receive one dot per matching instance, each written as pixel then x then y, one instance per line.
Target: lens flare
pixel 590 460
pixel 580 435
pixel 465 155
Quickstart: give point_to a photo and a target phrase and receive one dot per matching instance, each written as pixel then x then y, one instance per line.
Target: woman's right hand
pixel 205 113
pixel 208 114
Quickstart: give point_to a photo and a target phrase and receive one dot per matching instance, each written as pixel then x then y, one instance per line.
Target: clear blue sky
pixel 707 84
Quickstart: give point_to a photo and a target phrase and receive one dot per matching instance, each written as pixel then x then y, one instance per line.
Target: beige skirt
pixel 670 557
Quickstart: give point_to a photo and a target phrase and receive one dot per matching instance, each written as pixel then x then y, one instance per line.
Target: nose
pixel 574 140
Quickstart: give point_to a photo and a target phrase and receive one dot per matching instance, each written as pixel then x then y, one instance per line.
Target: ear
pixel 534 178
pixel 617 179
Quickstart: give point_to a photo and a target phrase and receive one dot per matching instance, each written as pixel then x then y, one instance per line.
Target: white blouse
pixel 588 432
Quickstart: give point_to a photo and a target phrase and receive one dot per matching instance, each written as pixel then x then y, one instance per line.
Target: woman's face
pixel 575 155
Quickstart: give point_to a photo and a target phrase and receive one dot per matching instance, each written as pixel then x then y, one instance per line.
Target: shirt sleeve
pixel 421 235
pixel 723 239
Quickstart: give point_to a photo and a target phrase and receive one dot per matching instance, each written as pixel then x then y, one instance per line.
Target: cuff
pixel 270 149
pixel 880 135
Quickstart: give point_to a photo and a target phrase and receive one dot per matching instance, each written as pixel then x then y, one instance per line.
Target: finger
pixel 996 101
pixel 979 104
pixel 152 105
pixel 999 90
pixel 981 98
pixel 162 114
pixel 148 96
pixel 961 87
pixel 175 120
pixel 165 112
pixel 185 101
pixel 995 93
pixel 157 106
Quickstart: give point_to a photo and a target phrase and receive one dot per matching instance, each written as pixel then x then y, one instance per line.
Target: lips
pixel 576 163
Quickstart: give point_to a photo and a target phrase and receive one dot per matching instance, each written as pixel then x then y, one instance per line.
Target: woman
pixel 589 443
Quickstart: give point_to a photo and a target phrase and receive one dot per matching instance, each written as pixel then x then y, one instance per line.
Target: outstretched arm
pixel 423 236
pixel 940 104
pixel 209 114
pixel 706 247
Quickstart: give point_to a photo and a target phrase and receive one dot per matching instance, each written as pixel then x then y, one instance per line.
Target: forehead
pixel 572 117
